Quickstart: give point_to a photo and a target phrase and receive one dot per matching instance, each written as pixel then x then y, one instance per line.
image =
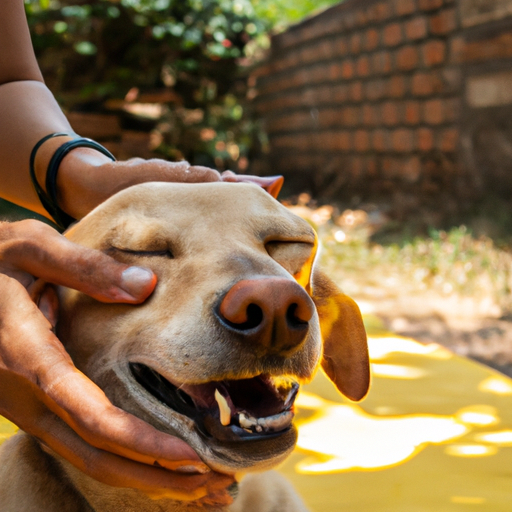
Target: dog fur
pixel 201 241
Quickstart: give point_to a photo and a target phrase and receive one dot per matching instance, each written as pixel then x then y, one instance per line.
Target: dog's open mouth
pixel 229 410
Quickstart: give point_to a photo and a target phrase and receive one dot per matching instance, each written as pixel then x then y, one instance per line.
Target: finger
pixel 38 249
pixel 272 184
pixel 30 350
pixel 18 403
pixel 84 406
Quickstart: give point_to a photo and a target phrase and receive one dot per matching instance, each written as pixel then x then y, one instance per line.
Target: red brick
pixel 370 115
pixel 344 141
pixel 407 58
pixel 323 94
pixel 375 89
pixel 347 69
pixel 350 20
pixel 334 72
pixel 340 93
pixel 411 169
pixel 416 28
pixel 321 73
pixel 308 54
pixel 452 109
pixel 325 50
pixel 356 91
pixel 361 18
pixel 457 47
pixel 421 84
pixel 350 116
pixel 327 117
pixel 381 11
pixel 433 112
pixel 425 139
pixel 402 140
pixel 403 7
pixel 371 39
pixel 380 140
pixel 336 141
pixel 340 46
pixel 444 22
pixel 381 62
pixel 434 53
pixel 389 113
pixel 429 5
pixel 363 66
pixel 448 140
pixel 355 43
pixel 392 34
pixel 361 140
pixel 356 167
pixel 371 166
pixel 397 86
pixel 391 167
pixel 450 80
pixel 412 112
pixel 308 97
pixel 499 47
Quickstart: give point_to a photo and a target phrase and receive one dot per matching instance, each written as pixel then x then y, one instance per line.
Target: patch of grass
pixel 444 263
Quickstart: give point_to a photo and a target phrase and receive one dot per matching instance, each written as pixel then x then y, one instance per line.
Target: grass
pixel 451 264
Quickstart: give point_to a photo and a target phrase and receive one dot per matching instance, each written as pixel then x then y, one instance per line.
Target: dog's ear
pixel 45 296
pixel 345 351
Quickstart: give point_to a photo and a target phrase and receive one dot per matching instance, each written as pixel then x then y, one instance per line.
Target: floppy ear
pixel 345 357
pixel 46 299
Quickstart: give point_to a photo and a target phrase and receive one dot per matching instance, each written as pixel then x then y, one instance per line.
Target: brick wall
pixel 368 99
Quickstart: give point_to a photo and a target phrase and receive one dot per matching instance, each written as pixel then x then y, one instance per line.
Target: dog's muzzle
pixel 228 410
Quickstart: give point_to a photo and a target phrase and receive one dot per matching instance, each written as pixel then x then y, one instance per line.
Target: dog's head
pixel 236 320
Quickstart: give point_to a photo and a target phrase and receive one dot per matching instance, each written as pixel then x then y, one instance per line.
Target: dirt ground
pixel 466 326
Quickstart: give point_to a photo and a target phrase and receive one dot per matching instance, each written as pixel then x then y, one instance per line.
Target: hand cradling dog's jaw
pixel 236 321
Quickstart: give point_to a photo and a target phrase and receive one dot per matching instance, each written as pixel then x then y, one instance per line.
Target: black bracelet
pixel 63 219
pixel 49 199
pixel 43 197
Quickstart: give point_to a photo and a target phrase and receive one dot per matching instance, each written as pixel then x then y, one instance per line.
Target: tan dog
pixel 214 355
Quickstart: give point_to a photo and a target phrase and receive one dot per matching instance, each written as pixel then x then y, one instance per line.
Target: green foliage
pixel 95 51
pixel 283 12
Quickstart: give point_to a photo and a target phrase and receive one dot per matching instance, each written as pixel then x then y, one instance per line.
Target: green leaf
pixel 85 48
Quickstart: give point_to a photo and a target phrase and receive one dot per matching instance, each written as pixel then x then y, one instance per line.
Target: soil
pixel 487 340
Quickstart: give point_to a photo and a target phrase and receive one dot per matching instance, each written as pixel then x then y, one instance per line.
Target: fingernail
pixel 194 469
pixel 138 281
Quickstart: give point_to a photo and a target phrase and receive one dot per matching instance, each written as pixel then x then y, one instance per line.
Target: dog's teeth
pixel 246 421
pixel 225 411
pixel 277 422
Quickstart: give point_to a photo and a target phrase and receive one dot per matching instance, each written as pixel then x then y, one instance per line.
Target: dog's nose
pixel 272 313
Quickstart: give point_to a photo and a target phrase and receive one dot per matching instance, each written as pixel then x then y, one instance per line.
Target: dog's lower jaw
pixel 230 458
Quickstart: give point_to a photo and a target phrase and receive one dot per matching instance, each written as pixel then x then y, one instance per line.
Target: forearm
pixel 28 112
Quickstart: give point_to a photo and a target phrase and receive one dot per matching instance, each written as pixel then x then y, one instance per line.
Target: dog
pixel 241 314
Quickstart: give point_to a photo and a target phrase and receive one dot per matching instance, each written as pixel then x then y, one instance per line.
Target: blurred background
pixel 390 119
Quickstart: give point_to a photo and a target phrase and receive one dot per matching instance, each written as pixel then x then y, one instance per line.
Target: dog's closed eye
pixel 291 255
pixel 167 253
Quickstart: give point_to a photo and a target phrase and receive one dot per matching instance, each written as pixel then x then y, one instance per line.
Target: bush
pixel 196 51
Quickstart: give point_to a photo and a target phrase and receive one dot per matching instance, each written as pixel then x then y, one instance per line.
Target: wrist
pixel 73 186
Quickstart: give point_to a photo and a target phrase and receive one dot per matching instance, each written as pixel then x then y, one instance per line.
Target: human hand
pixel 86 177
pixel 46 396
